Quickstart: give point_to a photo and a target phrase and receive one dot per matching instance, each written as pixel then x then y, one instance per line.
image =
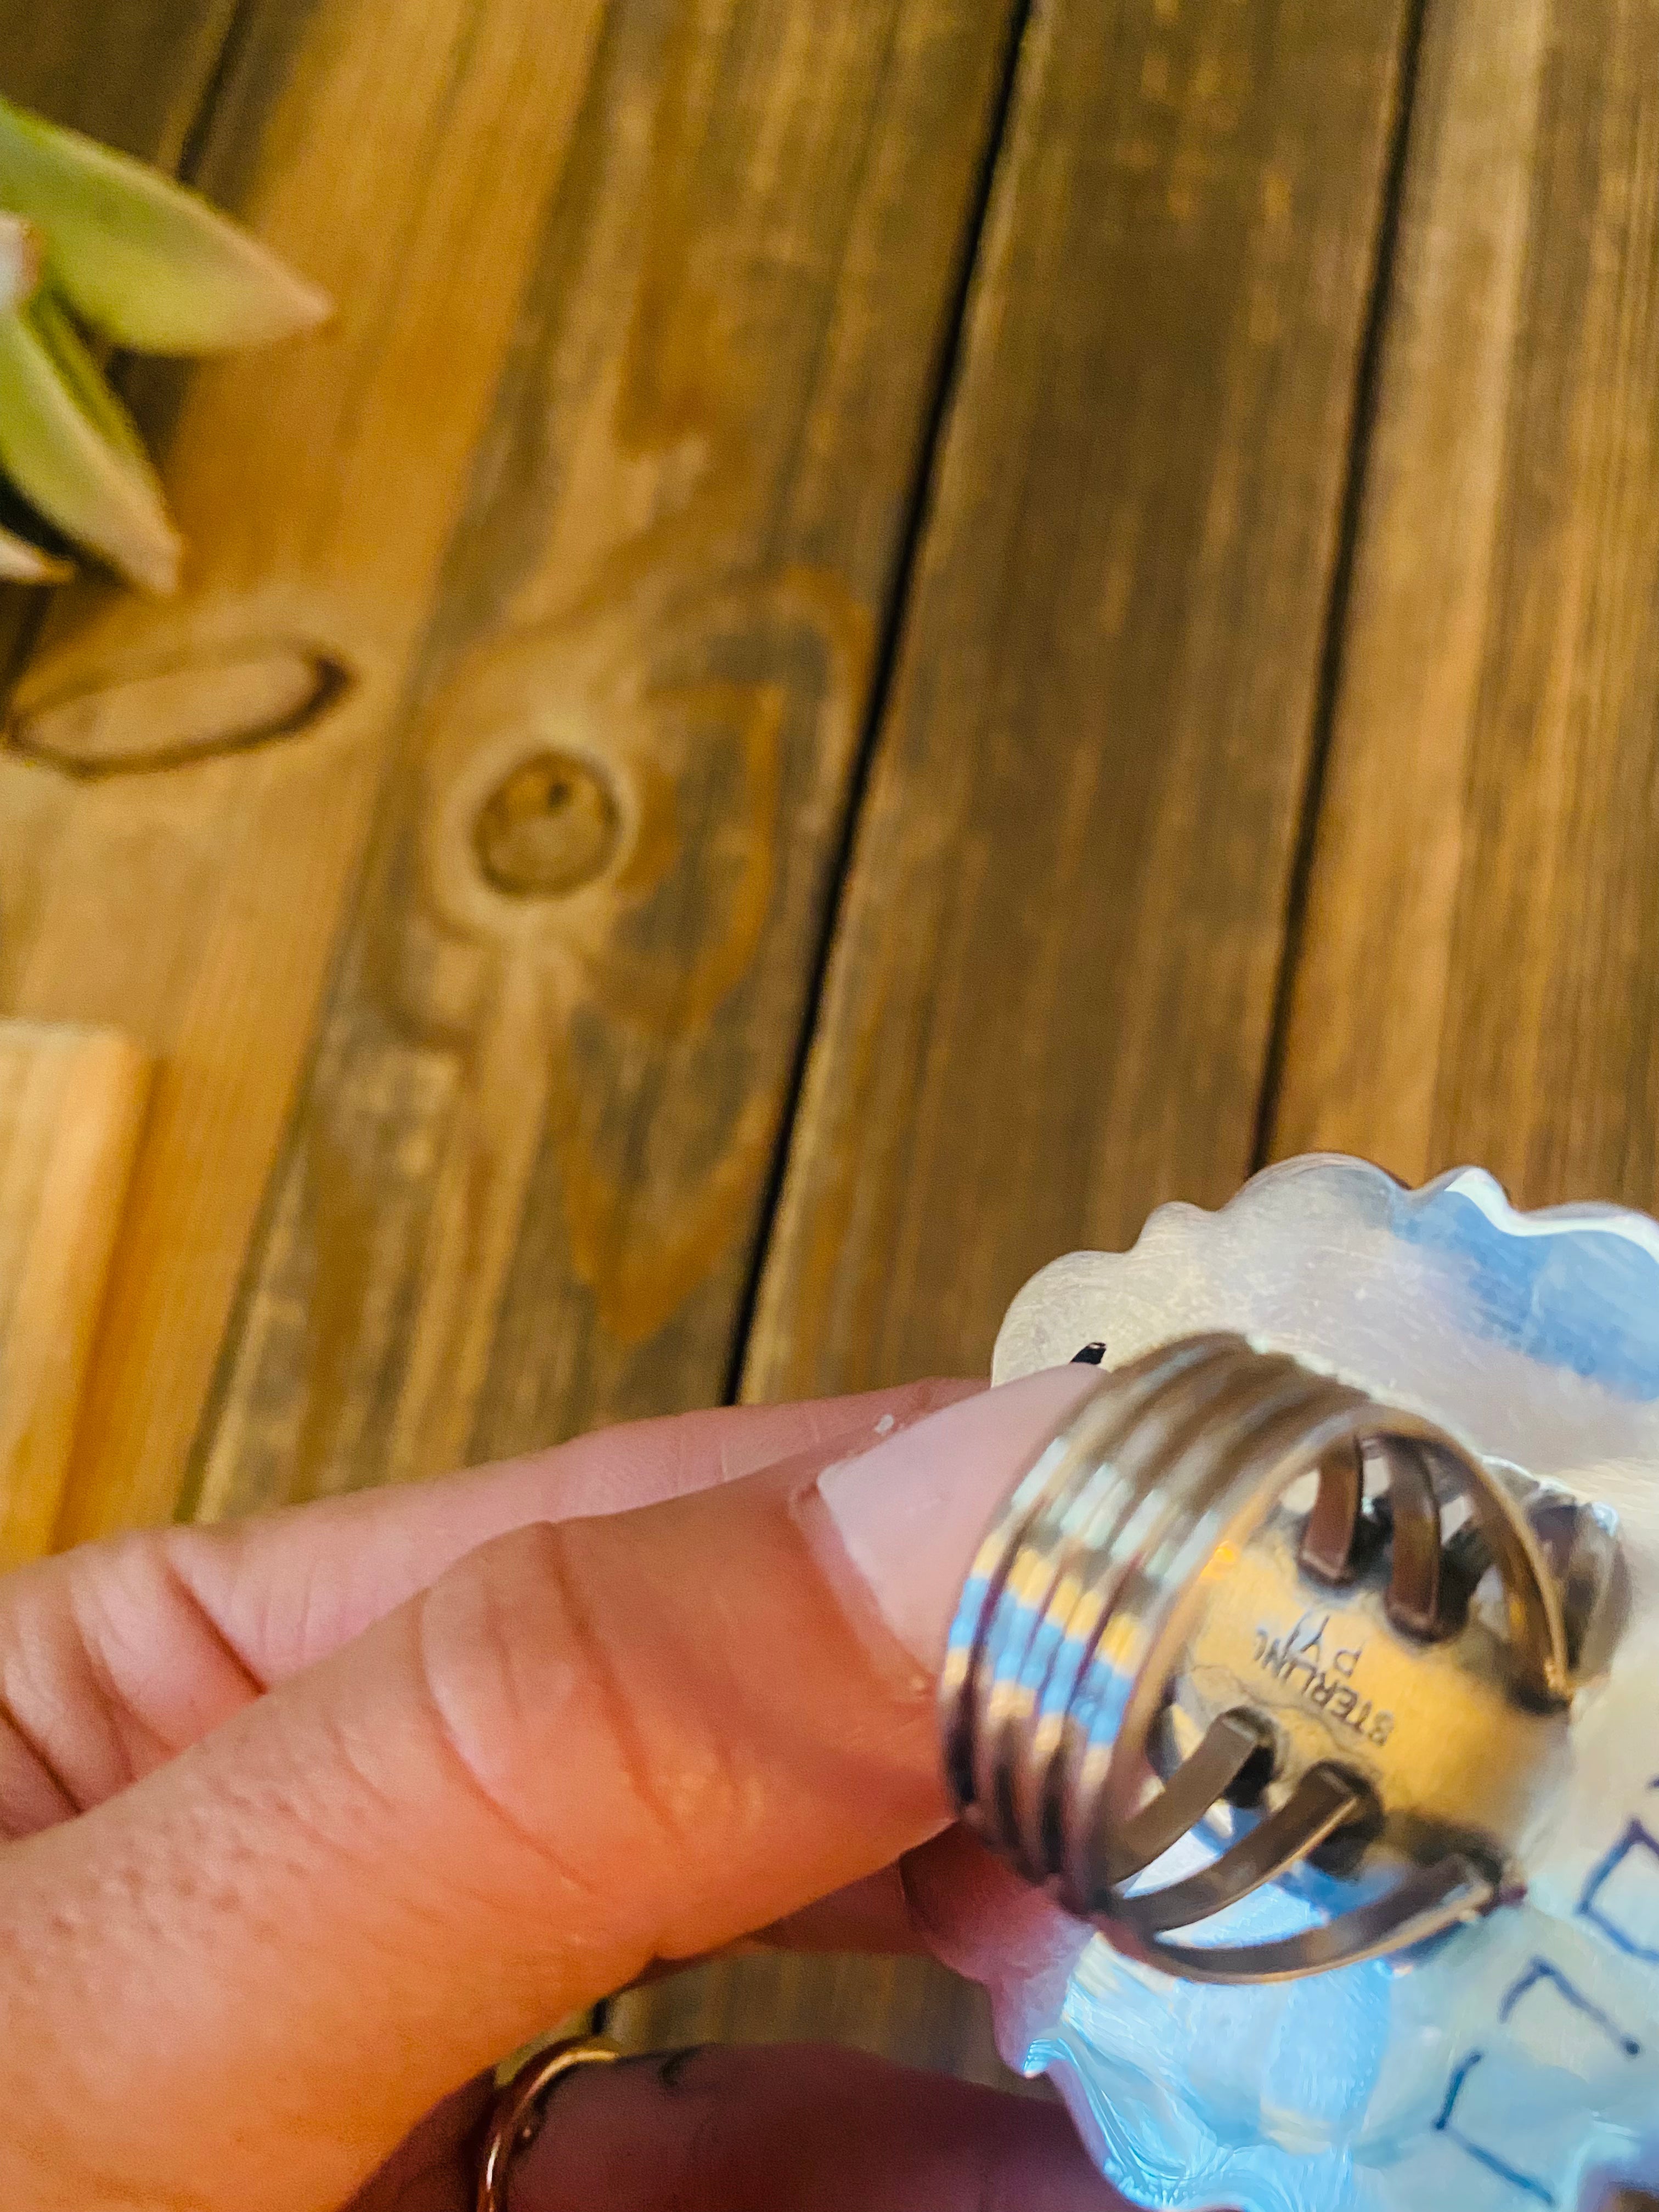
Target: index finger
pixel 115 1656
pixel 625 1738
pixel 286 1589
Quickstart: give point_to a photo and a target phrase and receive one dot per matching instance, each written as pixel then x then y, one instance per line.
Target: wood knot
pixel 176 712
pixel 549 827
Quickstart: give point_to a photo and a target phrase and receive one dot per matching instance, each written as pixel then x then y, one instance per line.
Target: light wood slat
pixel 1479 968
pixel 1053 985
pixel 177 849
pixel 525 1180
pixel 71 1101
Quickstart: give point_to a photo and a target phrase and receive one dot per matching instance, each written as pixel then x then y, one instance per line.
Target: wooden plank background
pixel 1479 976
pixel 1058 950
pixel 897 632
pixel 523 1182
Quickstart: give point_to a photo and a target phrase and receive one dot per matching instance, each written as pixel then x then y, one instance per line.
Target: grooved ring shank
pixel 1078 1606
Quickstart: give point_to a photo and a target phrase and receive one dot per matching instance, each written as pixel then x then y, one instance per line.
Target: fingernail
pixel 909 1515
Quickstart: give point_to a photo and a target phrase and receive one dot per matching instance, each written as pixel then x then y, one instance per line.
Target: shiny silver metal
pixel 1513 2062
pixel 1117 1676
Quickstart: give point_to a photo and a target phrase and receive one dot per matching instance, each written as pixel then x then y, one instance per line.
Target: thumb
pixel 587 1746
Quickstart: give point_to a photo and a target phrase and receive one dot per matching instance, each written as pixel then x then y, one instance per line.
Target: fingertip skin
pixel 908 1516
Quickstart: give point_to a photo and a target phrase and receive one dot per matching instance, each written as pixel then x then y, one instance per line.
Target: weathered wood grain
pixel 1052 989
pixel 1479 976
pixel 524 1182
pixel 198 899
pixel 72 1102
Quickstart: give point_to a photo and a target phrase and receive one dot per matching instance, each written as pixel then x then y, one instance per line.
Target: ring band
pixel 521 2104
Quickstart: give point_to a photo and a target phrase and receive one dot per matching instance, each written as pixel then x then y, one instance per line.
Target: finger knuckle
pixel 532 1667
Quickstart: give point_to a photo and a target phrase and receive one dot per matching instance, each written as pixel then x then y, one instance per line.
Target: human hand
pixel 308 1820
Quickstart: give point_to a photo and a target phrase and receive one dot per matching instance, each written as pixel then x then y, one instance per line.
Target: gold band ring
pixel 519 2106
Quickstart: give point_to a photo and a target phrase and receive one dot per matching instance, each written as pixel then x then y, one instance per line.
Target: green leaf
pixel 73 359
pixel 71 448
pixel 144 261
pixel 20 259
pixel 23 564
